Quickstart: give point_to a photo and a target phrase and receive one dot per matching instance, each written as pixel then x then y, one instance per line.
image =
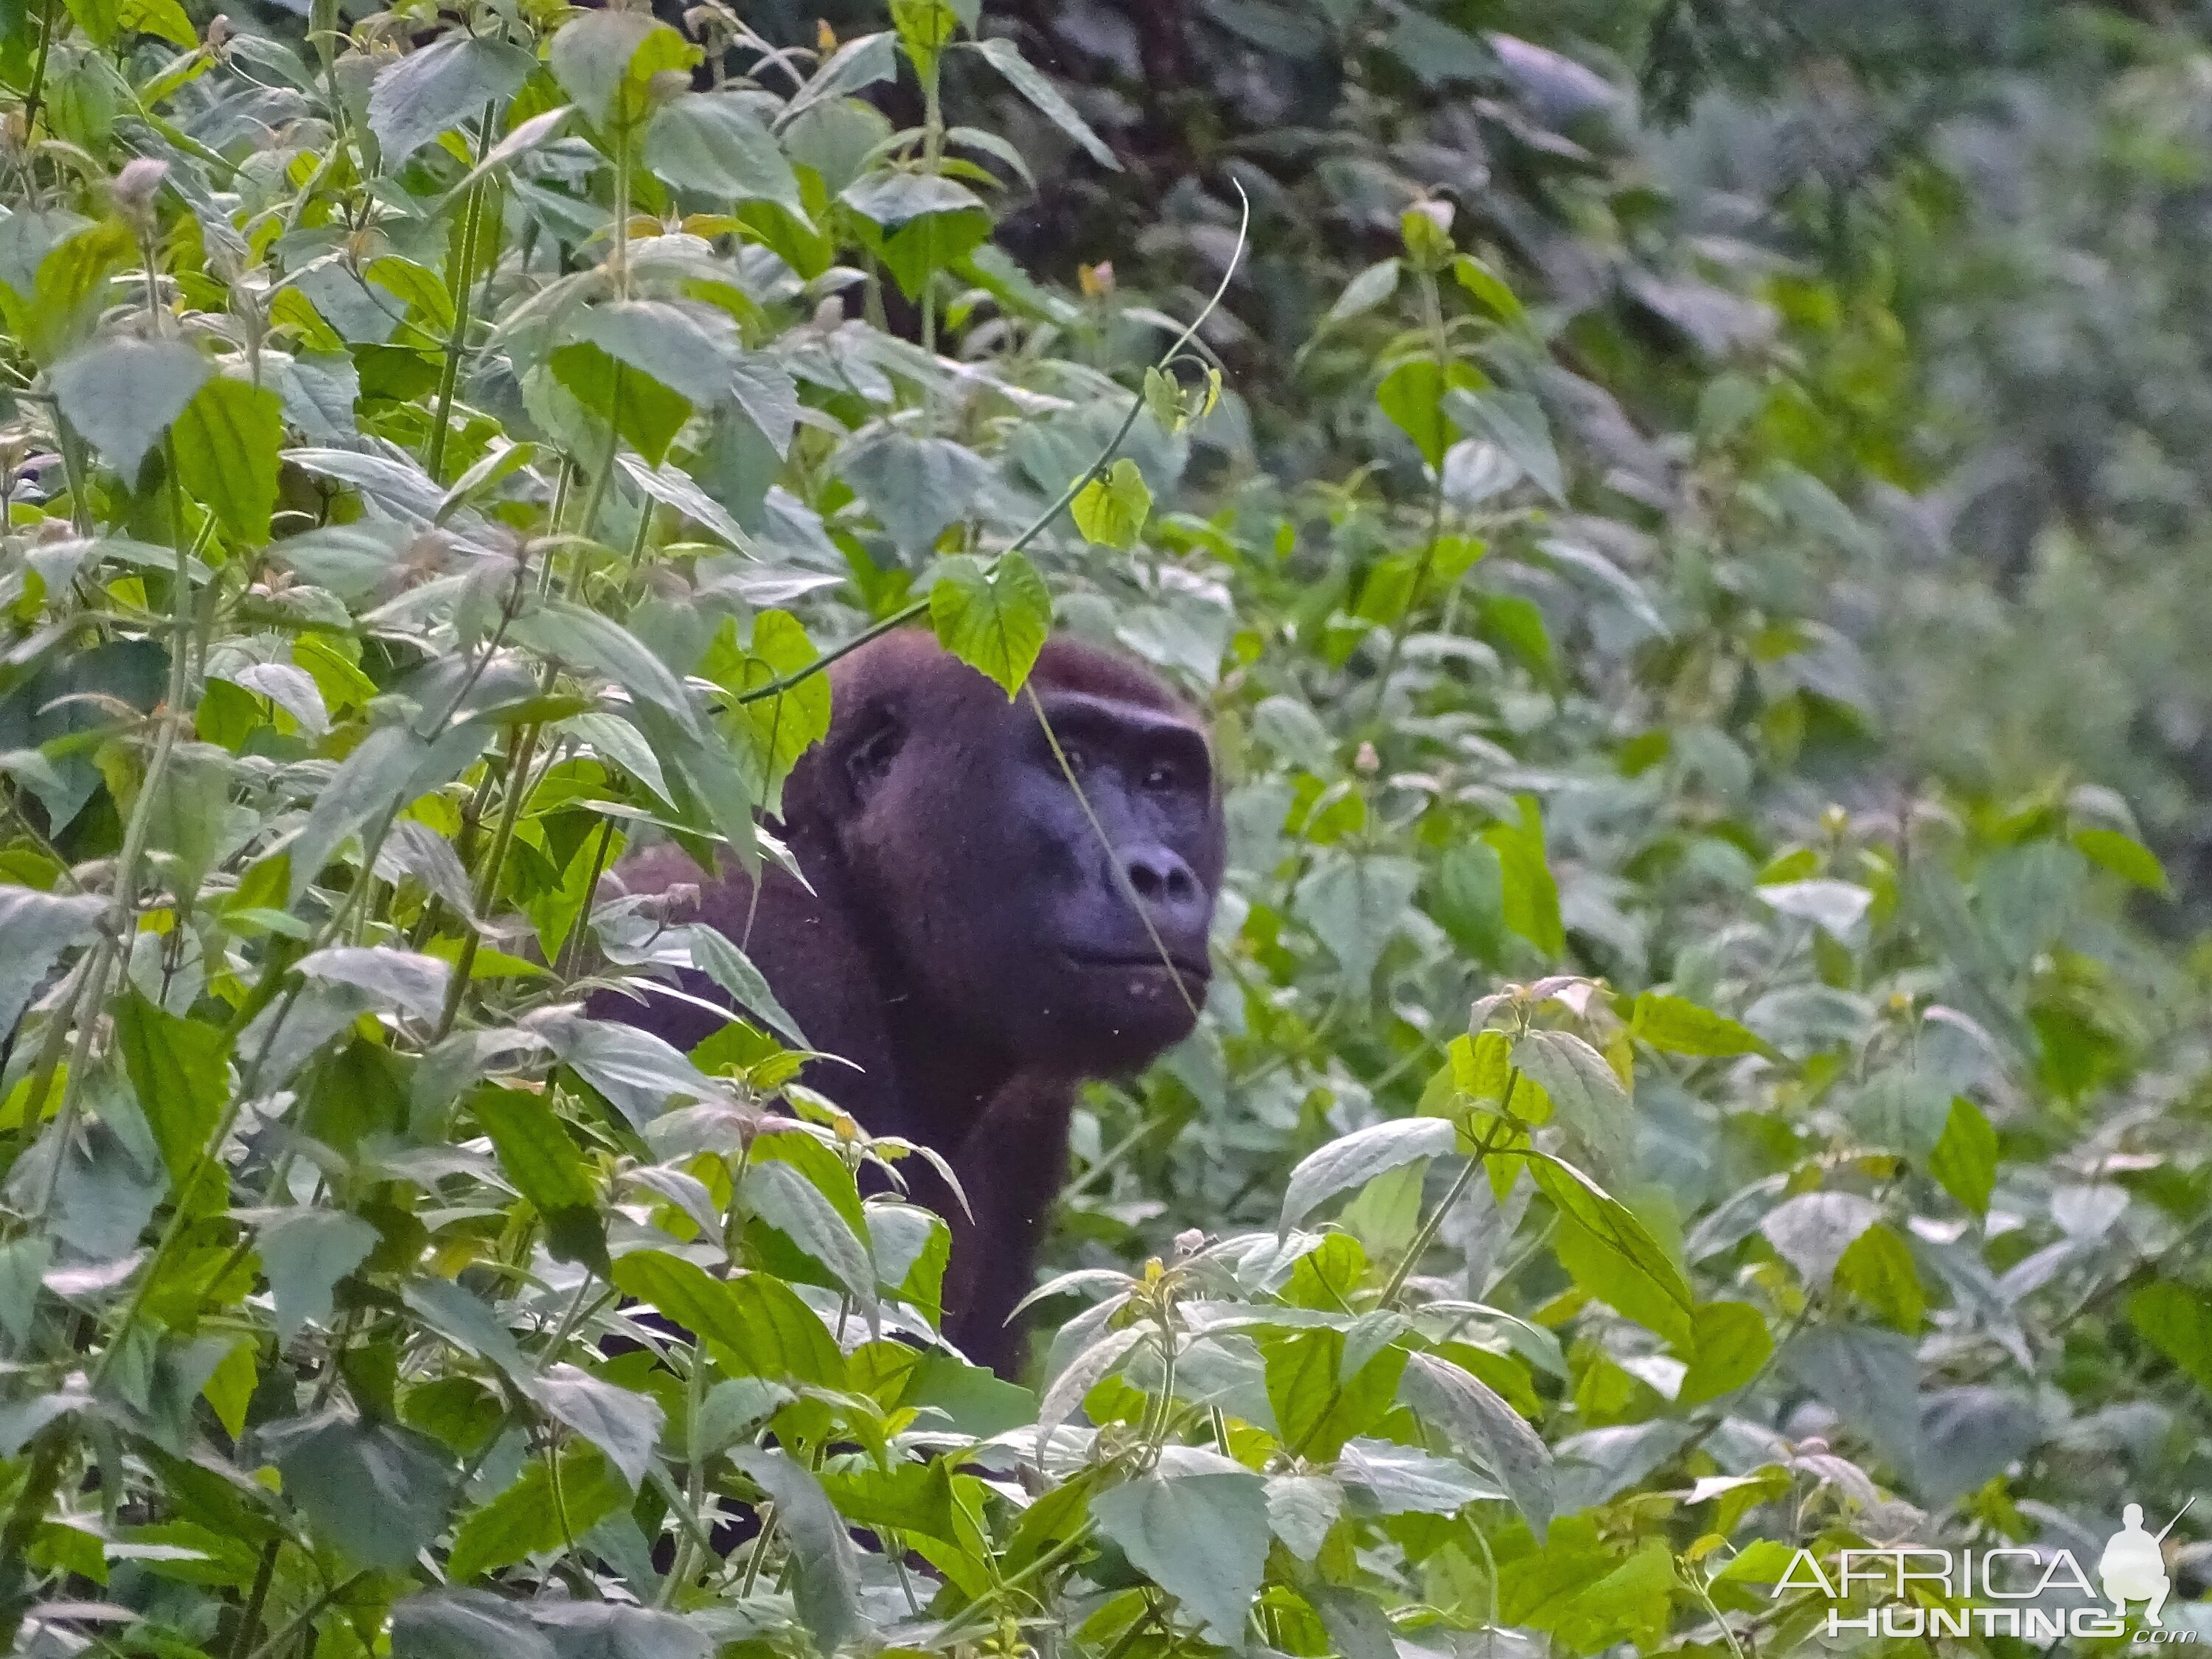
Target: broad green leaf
pixel 1731 1347
pixel 539 1157
pixel 304 1253
pixel 1033 84
pixel 603 61
pixel 1812 1231
pixel 1680 1027
pixel 994 617
pixel 1514 422
pixel 632 403
pixel 527 1517
pixel 463 1623
pixel 1201 1537
pixel 690 349
pixel 1112 509
pixel 35 929
pixel 1355 902
pixel 1613 1255
pixel 2124 856
pixel 1965 1160
pixel 163 18
pixel 376 1491
pixel 179 1069
pixel 226 440
pixel 1532 897
pixel 1082 1374
pixel 1355 1159
pixel 121 394
pixel 827 1588
pixel 1403 1480
pixel 786 1201
pixel 1588 1099
pixel 1301 1508
pixel 454 79
pixel 914 486
pixel 1481 1420
pixel 1413 394
pixel 405 981
pixel 714 144
pixel 624 1425
pixel 1366 291
pixel 1878 1268
pixel 24 1264
pixel 755 1326
pixel 583 639
pixel 2177 1321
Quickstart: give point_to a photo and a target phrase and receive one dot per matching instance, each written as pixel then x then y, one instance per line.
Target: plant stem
pixel 458 283
pixel 1427 1235
pixel 488 879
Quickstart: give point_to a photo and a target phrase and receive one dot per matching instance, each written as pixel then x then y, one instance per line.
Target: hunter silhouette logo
pixel 2133 1566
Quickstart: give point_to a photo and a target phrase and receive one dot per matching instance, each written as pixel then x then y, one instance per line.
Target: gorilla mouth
pixel 1148 961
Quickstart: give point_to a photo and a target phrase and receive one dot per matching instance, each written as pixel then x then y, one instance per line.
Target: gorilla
pixel 966 933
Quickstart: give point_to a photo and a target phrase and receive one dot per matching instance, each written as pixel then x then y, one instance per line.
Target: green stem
pixel 488 879
pixel 462 290
pixel 1427 1235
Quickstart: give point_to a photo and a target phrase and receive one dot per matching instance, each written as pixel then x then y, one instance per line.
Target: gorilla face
pixel 1065 926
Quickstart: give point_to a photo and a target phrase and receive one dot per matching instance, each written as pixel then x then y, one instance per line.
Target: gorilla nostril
pixel 1160 877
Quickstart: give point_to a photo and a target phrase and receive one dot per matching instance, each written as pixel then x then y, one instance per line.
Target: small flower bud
pixel 134 189
pixel 1189 1241
pixel 1097 281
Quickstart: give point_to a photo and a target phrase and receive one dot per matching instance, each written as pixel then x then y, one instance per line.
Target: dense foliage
pixel 1687 1076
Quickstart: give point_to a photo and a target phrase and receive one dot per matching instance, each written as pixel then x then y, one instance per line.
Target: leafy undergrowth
pixel 440 458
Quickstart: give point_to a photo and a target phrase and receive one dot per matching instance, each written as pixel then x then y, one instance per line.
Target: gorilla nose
pixel 1168 887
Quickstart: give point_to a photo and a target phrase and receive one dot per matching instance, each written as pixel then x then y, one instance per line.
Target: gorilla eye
pixel 1160 776
pixel 872 752
pixel 1077 758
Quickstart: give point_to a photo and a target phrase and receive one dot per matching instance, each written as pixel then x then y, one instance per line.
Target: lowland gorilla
pixel 970 942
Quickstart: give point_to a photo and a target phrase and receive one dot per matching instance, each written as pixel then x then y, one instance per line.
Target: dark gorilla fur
pixel 967 942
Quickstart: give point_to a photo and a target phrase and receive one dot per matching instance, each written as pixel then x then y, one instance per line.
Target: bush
pixel 445 458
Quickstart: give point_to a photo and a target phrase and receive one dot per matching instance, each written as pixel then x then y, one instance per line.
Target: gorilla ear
pixel 867 757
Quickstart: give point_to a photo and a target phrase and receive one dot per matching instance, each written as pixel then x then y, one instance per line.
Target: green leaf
pixel 633 403
pixel 35 928
pixel 827 1590
pixel 993 617
pixel 625 1426
pixel 1411 395
pixel 1201 1537
pixel 1514 422
pixel 2124 856
pixel 1532 897
pixel 691 349
pixel 2177 1321
pixel 226 440
pixel 1354 903
pixel 786 1201
pixel 1355 1159
pixel 177 1070
pixel 434 90
pixel 163 18
pixel 754 1326
pixel 1965 1160
pixel 1878 1267
pixel 1731 1347
pixel 604 60
pixel 914 486
pixel 1588 1099
pixel 1365 291
pixel 1111 510
pixel 1479 1416
pixel 1678 1026
pixel 1812 1231
pixel 714 144
pixel 1033 84
pixel 527 1517
pixel 121 394
pixel 1487 287
pixel 546 1168
pixel 585 639
pixel 1612 1256
pixel 304 1253
pixel 376 1491
pixel 462 1624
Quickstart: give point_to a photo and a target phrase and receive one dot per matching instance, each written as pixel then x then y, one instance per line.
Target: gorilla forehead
pixel 910 668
